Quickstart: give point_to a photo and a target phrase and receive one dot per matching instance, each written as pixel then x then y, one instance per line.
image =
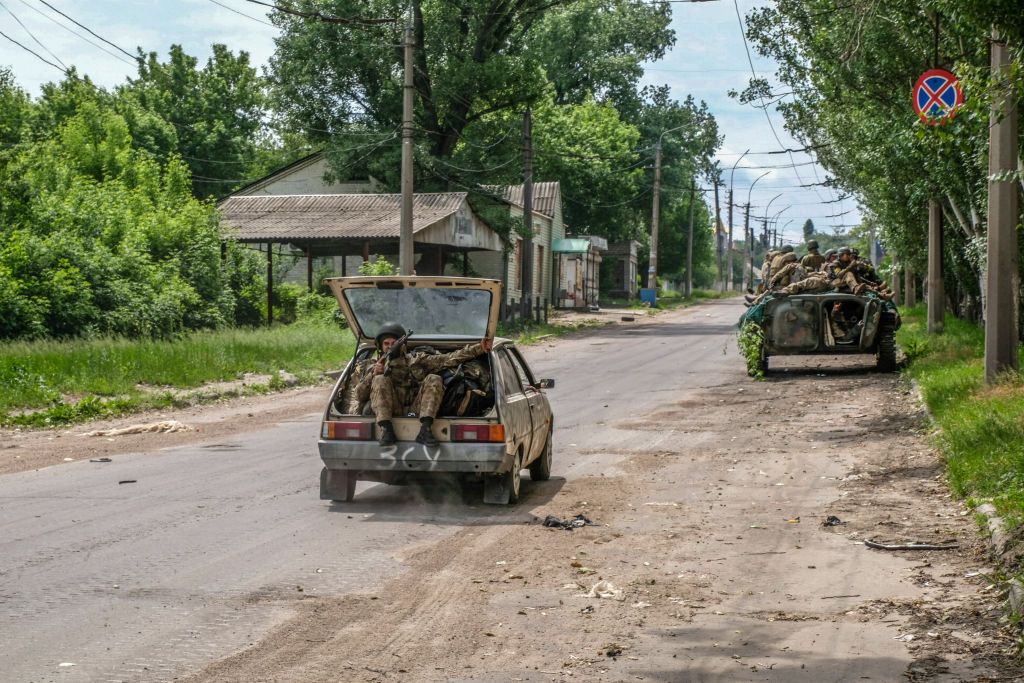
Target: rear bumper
pixel 411 457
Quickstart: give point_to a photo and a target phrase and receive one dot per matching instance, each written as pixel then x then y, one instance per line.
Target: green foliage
pixel 750 341
pixel 378 265
pixel 982 427
pixel 808 229
pixel 314 308
pixel 115 375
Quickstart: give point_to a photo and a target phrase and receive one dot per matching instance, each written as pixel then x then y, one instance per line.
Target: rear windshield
pixel 427 312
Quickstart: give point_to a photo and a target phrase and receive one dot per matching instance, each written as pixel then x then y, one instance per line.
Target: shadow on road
pixel 447 501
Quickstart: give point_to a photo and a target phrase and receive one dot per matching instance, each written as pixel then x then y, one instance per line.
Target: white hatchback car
pixel 506 428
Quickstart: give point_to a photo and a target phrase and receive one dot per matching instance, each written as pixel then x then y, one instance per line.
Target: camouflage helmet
pixel 855 252
pixel 812 244
pixel 786 248
pixel 389 329
pixel 830 252
pixel 844 251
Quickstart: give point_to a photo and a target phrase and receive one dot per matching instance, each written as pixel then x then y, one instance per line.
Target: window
pixel 524 375
pixel 509 376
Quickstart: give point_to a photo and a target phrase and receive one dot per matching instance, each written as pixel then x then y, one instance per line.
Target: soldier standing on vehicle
pixel 407 383
pixel 813 260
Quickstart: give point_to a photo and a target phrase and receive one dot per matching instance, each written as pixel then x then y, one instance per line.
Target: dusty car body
pixel 504 434
pixel 828 324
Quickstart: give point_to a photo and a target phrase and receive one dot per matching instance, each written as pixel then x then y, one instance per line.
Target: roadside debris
pixel 101 460
pixel 128 481
pixel 605 589
pixel 576 522
pixel 911 546
pixel 164 427
pixel 832 520
pixel 628 318
pixel 612 650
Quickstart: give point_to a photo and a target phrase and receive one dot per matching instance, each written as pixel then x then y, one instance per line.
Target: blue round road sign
pixel 937 96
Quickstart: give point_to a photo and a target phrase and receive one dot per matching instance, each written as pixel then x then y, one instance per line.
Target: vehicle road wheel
pixel 540 469
pixel 887 350
pixel 762 363
pixel 503 489
pixel 338 486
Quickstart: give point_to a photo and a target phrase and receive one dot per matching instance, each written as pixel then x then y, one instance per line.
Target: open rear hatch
pixel 436 308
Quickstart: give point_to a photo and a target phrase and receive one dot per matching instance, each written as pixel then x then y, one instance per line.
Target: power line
pixel 30 50
pixel 83 26
pixel 242 14
pixel 33 36
pixel 327 19
pixel 74 33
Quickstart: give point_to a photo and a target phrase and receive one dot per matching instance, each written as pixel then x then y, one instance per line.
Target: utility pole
pixel 1001 341
pixel 527 264
pixel 689 241
pixel 728 256
pixel 909 287
pixel 652 269
pixel 936 295
pixel 749 235
pixel 406 252
pixel 718 237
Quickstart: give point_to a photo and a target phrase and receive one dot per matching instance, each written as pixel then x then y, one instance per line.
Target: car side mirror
pixel 546 384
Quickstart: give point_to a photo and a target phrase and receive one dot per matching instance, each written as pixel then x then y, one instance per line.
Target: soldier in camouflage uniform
pixel 408 383
pixel 813 260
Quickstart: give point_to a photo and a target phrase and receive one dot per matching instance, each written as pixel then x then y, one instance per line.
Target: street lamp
pixel 764 222
pixel 652 269
pixel 747 233
pixel 732 173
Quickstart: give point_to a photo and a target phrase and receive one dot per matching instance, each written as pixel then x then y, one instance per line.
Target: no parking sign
pixel 937 96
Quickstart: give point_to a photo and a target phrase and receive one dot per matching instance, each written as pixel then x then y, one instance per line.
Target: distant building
pixel 579 271
pixel 621 260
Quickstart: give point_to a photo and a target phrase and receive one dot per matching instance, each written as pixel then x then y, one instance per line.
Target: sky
pixel 708 60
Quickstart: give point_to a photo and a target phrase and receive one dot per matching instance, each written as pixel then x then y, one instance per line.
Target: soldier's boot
pixel 426 436
pixel 386 433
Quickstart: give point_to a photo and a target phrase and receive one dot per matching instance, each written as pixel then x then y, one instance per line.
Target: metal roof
pixel 571 246
pixel 284 218
pixel 545 196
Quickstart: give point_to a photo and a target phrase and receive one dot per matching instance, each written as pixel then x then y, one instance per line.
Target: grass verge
pixel 672 300
pixel 982 427
pixel 49 383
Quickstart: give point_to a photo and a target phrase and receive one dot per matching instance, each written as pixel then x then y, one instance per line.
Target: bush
pixel 317 309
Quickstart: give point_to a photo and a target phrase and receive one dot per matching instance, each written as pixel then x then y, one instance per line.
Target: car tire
pixel 338 486
pixel 887 350
pixel 503 489
pixel 540 469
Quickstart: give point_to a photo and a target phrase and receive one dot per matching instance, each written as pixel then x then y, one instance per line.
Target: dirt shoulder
pixel 710 532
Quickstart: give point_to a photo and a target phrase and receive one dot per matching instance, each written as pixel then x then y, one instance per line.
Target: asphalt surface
pixel 154 565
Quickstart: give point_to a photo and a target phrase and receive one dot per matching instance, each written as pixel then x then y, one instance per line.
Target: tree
pixel 808 230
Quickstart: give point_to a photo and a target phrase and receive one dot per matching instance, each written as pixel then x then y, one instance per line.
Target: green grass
pixel 982 427
pixel 672 300
pixel 45 383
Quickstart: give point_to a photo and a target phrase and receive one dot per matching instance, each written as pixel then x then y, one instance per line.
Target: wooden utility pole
pixel 527 264
pixel 270 284
pixel 652 269
pixel 406 253
pixel 1001 342
pixel 728 256
pixel 718 240
pixel 936 293
pixel 689 241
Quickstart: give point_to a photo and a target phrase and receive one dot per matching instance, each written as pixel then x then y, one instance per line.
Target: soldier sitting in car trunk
pixel 408 383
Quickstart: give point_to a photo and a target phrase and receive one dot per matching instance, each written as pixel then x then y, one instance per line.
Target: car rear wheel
pixel 540 469
pixel 503 489
pixel 338 486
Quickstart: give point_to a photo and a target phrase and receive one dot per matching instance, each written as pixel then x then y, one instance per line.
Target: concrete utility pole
pixel 406 254
pixel 936 293
pixel 652 269
pixel 527 264
pixel 1003 210
pixel 728 254
pixel 718 238
pixel 689 242
pixel 748 235
pixel 909 287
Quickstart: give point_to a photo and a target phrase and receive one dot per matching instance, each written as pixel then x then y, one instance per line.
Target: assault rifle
pixel 396 350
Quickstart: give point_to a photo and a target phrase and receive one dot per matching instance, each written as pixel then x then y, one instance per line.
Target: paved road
pixel 153 565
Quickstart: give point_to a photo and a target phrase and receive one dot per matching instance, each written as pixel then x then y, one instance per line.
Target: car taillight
pixel 483 432
pixel 353 431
